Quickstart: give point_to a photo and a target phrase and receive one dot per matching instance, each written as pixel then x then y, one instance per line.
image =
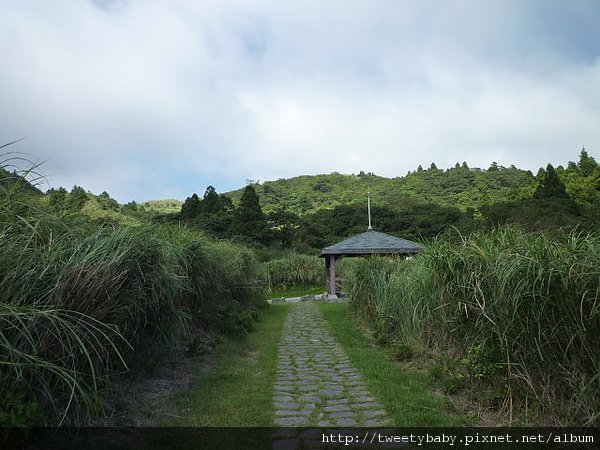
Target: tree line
pixel 419 206
pixel 554 198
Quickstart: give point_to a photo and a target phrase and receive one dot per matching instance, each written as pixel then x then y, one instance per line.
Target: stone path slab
pixel 316 382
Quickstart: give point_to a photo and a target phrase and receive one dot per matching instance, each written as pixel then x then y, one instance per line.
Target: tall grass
pixel 518 310
pixel 52 358
pixel 294 270
pixel 222 282
pixel 82 301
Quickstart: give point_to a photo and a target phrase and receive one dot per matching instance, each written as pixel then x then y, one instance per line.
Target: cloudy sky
pixel 159 98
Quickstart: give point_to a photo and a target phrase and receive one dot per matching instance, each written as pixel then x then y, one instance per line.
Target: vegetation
pixel 238 389
pixel 309 212
pixel 511 314
pixel 406 394
pixel 505 297
pixel 83 301
pixel 457 186
pixel 293 270
pixel 296 291
pixel 161 206
pixel 249 220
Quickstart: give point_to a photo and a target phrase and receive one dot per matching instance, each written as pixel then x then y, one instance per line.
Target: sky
pixel 155 99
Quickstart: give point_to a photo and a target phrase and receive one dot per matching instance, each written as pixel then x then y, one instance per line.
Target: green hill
pixel 14 181
pixel 459 187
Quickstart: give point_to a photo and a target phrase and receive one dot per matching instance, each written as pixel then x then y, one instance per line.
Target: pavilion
pixel 368 243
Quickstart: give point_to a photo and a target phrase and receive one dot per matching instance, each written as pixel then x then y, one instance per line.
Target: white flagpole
pixel 369 208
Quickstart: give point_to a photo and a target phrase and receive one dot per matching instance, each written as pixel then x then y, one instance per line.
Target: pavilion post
pixel 330 269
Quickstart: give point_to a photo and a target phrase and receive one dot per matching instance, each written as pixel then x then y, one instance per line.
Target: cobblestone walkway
pixel 316 383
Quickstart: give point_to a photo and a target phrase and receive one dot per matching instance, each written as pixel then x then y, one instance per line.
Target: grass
pixel 238 390
pixel 293 270
pixel 406 395
pixel 513 315
pixel 295 291
pixel 82 302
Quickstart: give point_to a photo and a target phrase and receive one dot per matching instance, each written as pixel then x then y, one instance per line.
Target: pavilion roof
pixel 372 242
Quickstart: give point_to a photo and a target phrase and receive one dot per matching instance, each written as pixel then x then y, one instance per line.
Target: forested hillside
pixel 308 212
pixel 312 211
pixel 458 186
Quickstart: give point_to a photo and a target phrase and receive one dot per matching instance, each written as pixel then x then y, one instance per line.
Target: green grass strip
pixel 296 291
pixel 406 395
pixel 238 390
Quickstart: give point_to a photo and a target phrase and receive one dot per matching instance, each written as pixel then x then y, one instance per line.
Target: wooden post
pixel 327 264
pixel 331 275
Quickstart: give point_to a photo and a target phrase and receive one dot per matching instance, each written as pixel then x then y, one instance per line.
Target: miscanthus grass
pixel 83 301
pixel 519 311
pixel 294 270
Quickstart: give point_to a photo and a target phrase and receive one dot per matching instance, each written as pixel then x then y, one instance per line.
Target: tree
pixel 586 164
pixel 106 202
pixel 494 166
pixel 57 197
pixel 210 201
pixel 77 198
pixel 420 168
pixel 130 207
pixel 549 185
pixel 283 226
pixel 464 165
pixel 226 203
pixel 249 220
pixel 190 208
pixel 433 167
pixel 215 214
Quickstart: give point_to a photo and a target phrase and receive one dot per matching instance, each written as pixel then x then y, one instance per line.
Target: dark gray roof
pixel 371 242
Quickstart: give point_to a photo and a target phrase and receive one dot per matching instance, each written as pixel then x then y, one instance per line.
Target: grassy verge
pixel 295 291
pixel 236 391
pixel 407 396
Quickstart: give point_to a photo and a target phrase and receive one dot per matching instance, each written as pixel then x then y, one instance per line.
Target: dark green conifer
pixel 210 201
pixel 549 185
pixel 586 164
pixel 58 197
pixel 249 220
pixel 190 208
pixel 76 198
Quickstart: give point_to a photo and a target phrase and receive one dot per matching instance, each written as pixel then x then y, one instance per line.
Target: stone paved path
pixel 316 383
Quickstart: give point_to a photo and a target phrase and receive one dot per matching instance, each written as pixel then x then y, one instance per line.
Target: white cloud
pixel 151 99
